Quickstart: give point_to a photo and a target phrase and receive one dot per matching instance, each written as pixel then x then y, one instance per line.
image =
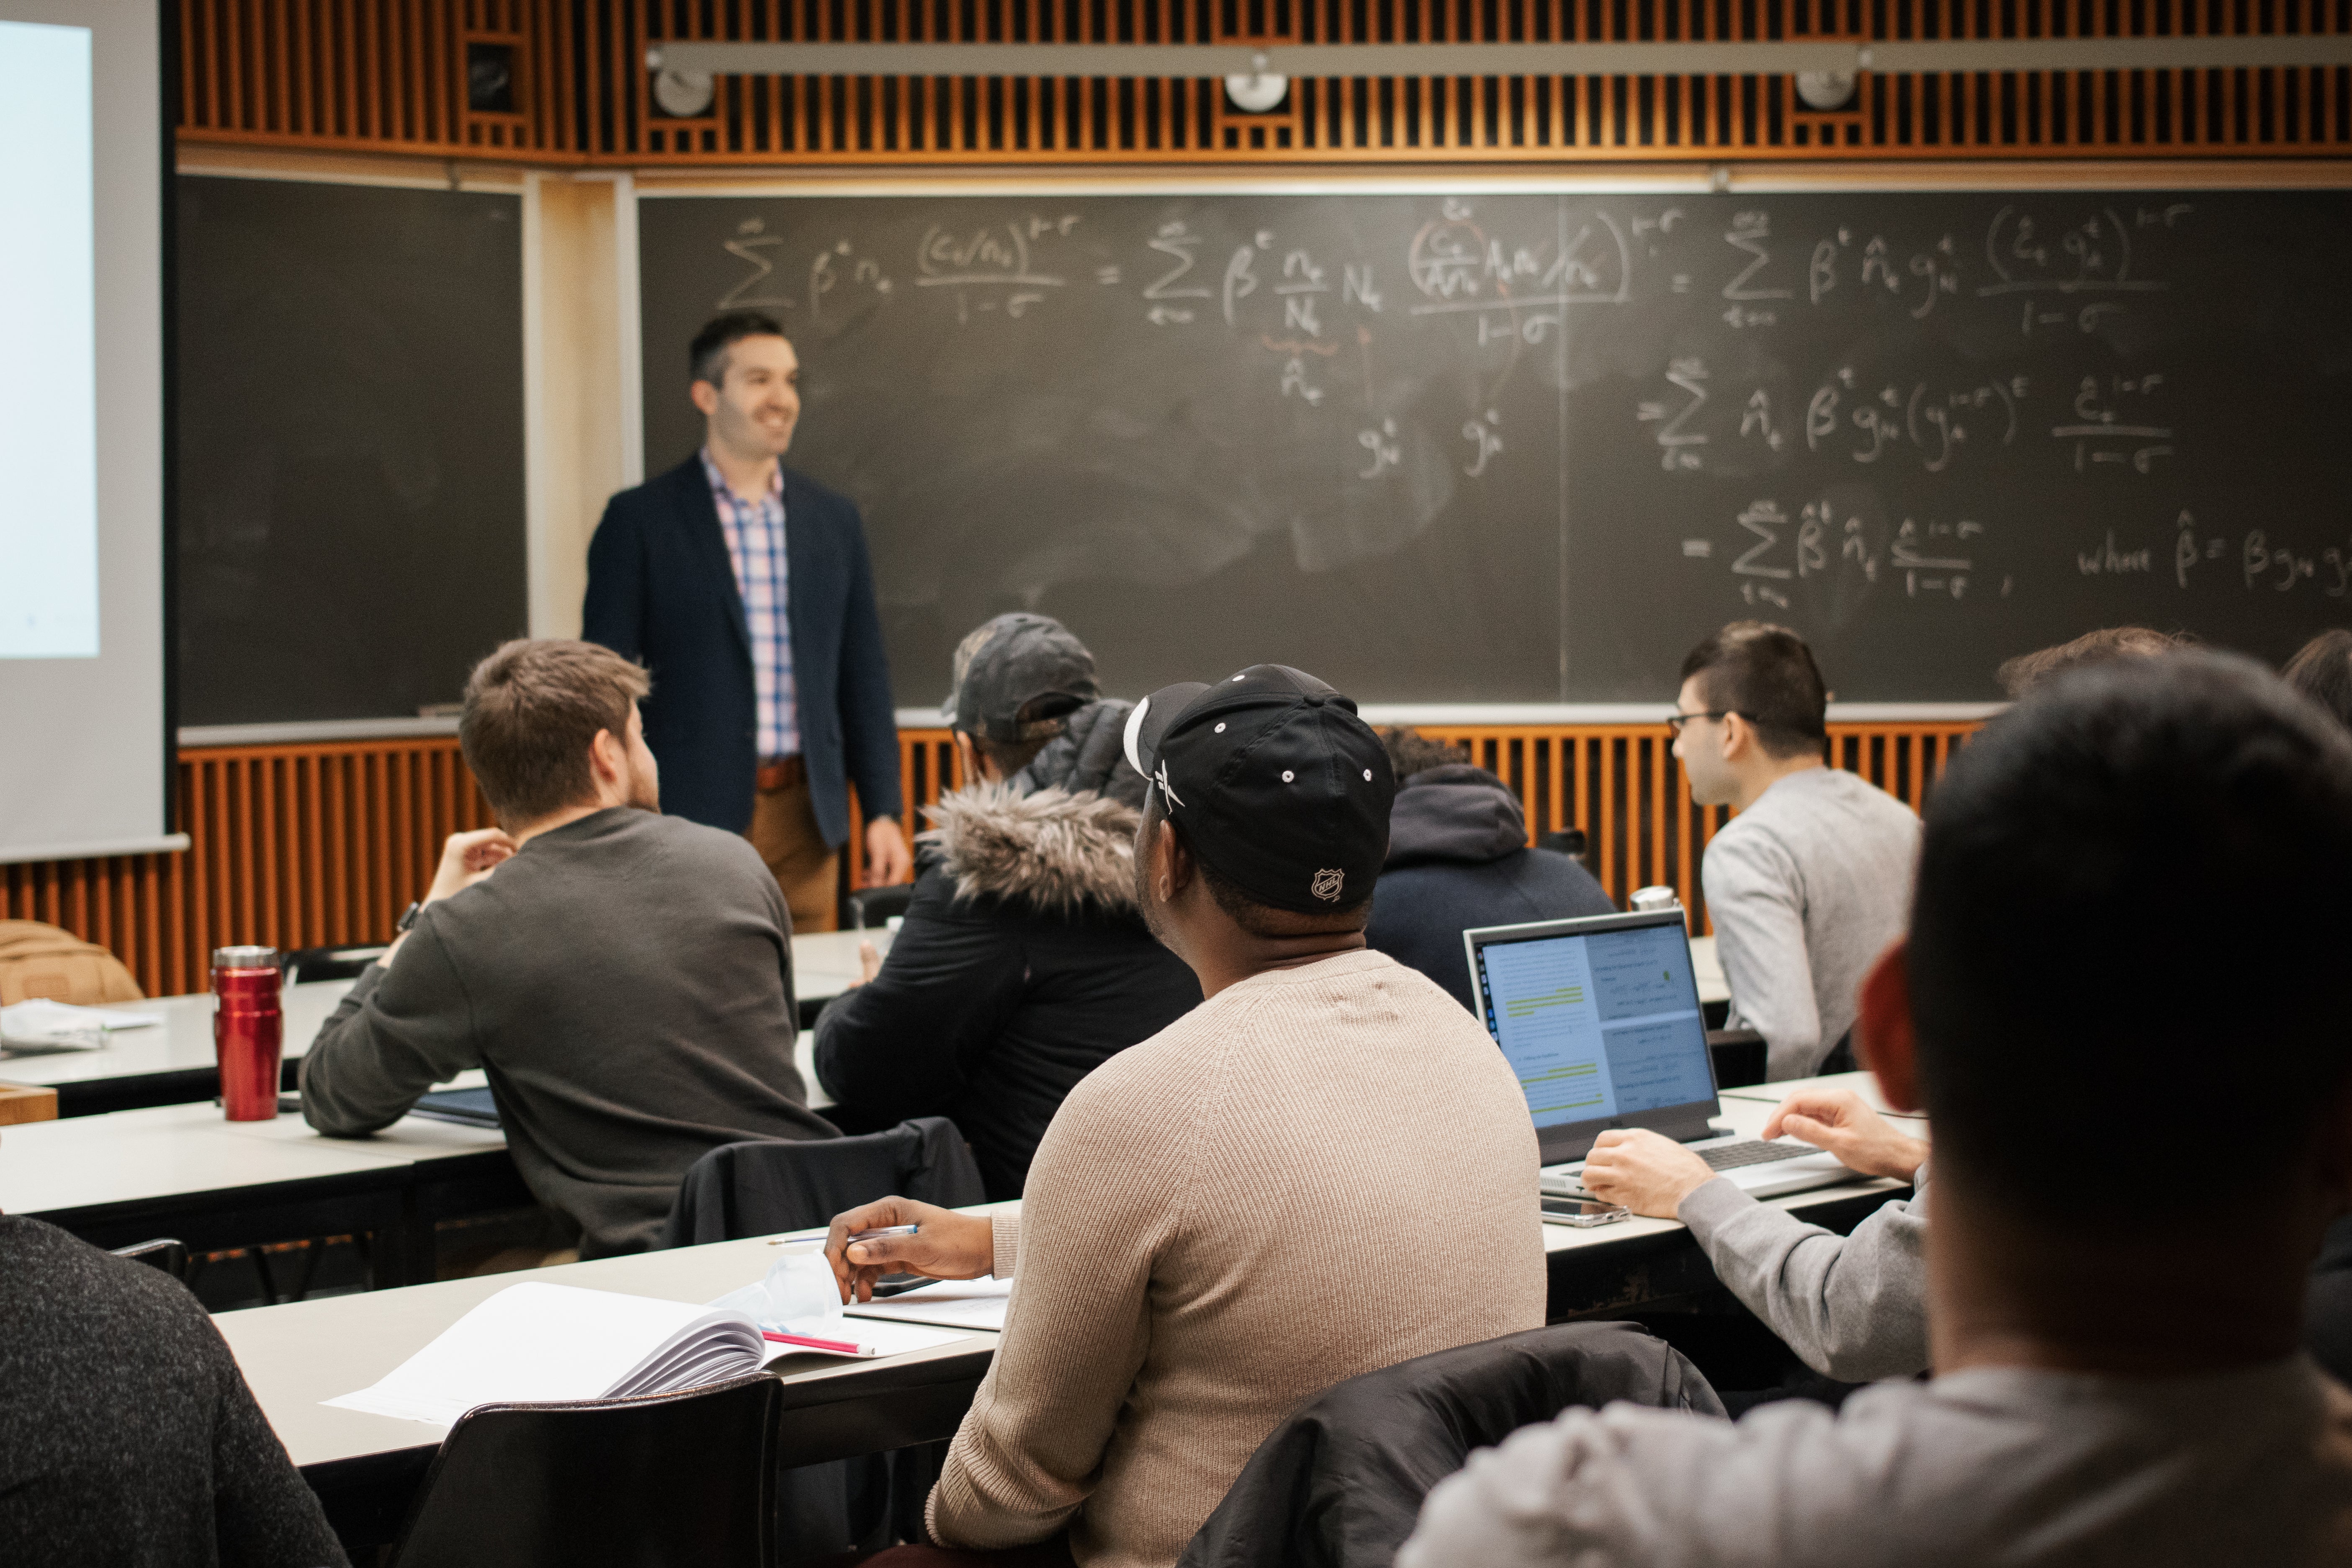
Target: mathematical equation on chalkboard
pixel 1854 462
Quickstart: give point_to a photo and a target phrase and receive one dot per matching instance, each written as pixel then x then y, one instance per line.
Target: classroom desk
pixel 297 1354
pixel 187 1172
pixel 173 1063
pixel 1636 1262
pixel 366 1466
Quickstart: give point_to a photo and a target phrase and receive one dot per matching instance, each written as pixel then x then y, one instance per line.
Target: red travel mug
pixel 249 1030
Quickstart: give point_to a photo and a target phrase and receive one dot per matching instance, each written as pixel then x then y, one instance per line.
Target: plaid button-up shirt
pixel 755 543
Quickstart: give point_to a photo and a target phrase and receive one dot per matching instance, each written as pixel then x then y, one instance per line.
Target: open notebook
pixel 536 1343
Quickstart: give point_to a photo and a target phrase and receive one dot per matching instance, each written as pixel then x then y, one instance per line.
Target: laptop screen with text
pixel 1600 1025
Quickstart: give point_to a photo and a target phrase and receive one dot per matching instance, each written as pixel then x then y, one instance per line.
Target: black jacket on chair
pixel 1458 858
pixel 661 589
pixel 1339 1484
pixel 768 1186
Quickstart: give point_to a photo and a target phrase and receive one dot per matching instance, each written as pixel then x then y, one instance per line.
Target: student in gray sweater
pixel 128 1438
pixel 1807 885
pixel 624 978
pixel 2120 1376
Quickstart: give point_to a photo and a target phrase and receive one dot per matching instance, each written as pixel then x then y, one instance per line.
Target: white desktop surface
pixel 172 1151
pixel 823 967
pixel 1707 969
pixel 182 1042
pixel 305 1351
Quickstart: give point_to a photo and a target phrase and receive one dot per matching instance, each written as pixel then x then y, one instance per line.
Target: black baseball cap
pixel 1016 677
pixel 1279 786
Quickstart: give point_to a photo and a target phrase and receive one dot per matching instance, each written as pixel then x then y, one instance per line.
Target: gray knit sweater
pixel 1806 887
pixel 128 1436
pixel 625 980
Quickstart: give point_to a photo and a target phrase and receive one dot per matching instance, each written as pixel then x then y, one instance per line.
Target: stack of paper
pixel 41 1025
pixel 538 1344
pixel 952 1303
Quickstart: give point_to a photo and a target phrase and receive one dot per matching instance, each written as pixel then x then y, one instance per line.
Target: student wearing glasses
pixel 1811 880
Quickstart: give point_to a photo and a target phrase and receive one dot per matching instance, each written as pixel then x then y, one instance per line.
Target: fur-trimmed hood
pixel 1053 850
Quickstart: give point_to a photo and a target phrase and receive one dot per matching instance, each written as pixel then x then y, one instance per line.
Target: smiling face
pixel 751 414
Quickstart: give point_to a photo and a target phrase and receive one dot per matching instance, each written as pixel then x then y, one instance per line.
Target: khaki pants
pixel 783 830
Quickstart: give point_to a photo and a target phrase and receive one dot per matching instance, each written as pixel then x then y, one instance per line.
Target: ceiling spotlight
pixel 1825 90
pixel 682 94
pixel 1256 91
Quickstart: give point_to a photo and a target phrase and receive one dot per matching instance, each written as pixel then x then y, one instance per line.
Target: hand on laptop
pixel 1647 1172
pixel 1840 1122
pixel 946 1245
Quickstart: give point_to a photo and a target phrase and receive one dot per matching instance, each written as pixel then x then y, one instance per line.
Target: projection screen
pixel 85 752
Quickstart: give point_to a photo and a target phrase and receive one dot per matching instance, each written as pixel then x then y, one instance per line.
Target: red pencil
pixel 844 1346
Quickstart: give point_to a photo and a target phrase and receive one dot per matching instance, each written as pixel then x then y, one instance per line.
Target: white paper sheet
pixel 951 1303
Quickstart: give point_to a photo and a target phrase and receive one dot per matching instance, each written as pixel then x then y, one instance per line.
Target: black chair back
pixel 776 1185
pixel 871 909
pixel 1339 1484
pixel 330 963
pixel 666 1480
pixel 171 1257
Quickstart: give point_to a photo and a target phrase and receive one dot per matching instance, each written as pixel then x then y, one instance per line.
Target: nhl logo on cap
pixel 1326 886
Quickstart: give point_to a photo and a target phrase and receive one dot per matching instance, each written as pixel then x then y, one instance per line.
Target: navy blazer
pixel 661 590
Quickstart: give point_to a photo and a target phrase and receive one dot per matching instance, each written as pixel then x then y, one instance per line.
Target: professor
pixel 744 587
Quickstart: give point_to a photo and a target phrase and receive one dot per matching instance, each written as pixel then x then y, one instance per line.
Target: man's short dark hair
pixel 1410 751
pixel 2021 675
pixel 2130 911
pixel 1766 675
pixel 2323 672
pixel 1254 916
pixel 705 357
pixel 533 708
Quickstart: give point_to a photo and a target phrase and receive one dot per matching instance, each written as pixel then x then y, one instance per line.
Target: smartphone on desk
pixel 1584 1212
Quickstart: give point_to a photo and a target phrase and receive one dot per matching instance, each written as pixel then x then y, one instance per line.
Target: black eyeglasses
pixel 1676 721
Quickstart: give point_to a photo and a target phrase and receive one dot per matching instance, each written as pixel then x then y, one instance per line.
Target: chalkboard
pixel 1529 448
pixel 350 445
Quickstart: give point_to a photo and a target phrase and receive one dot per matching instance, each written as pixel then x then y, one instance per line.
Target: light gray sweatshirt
pixel 1851 1307
pixel 1806 887
pixel 1993 1464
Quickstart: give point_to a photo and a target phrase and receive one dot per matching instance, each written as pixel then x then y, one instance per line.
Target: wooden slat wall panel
pixel 323 845
pixel 1619 783
pixel 391 74
pixel 292 846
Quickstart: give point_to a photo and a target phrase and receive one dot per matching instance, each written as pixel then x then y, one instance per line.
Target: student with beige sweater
pixel 1324 1169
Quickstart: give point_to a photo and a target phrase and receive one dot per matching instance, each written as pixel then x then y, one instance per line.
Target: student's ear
pixel 608 758
pixel 1884 1041
pixel 706 397
pixel 1171 862
pixel 1738 739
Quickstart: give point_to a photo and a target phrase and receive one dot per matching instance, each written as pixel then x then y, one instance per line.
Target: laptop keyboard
pixel 1751 1152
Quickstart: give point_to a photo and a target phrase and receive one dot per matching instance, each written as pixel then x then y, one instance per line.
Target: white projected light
pixel 48 359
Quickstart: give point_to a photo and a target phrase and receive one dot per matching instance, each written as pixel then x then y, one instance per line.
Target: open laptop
pixel 1600 1018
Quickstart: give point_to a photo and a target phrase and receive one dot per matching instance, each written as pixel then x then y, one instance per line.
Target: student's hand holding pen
pixel 899 1236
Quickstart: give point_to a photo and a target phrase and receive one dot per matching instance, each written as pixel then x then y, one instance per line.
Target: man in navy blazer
pixel 745 589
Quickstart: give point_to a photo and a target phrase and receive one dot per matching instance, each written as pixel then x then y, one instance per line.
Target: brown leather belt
pixel 782 773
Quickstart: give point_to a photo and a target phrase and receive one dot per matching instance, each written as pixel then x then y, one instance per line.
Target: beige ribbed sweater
pixel 1315 1174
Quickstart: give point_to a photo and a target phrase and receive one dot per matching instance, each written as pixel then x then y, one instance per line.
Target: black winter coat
pixel 1022 963
pixel 1458 858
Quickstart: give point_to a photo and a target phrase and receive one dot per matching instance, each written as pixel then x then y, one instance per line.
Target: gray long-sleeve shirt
pixel 1994 1465
pixel 1851 1307
pixel 1805 889
pixel 625 982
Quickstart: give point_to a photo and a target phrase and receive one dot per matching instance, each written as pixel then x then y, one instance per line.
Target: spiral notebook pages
pixel 537 1343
